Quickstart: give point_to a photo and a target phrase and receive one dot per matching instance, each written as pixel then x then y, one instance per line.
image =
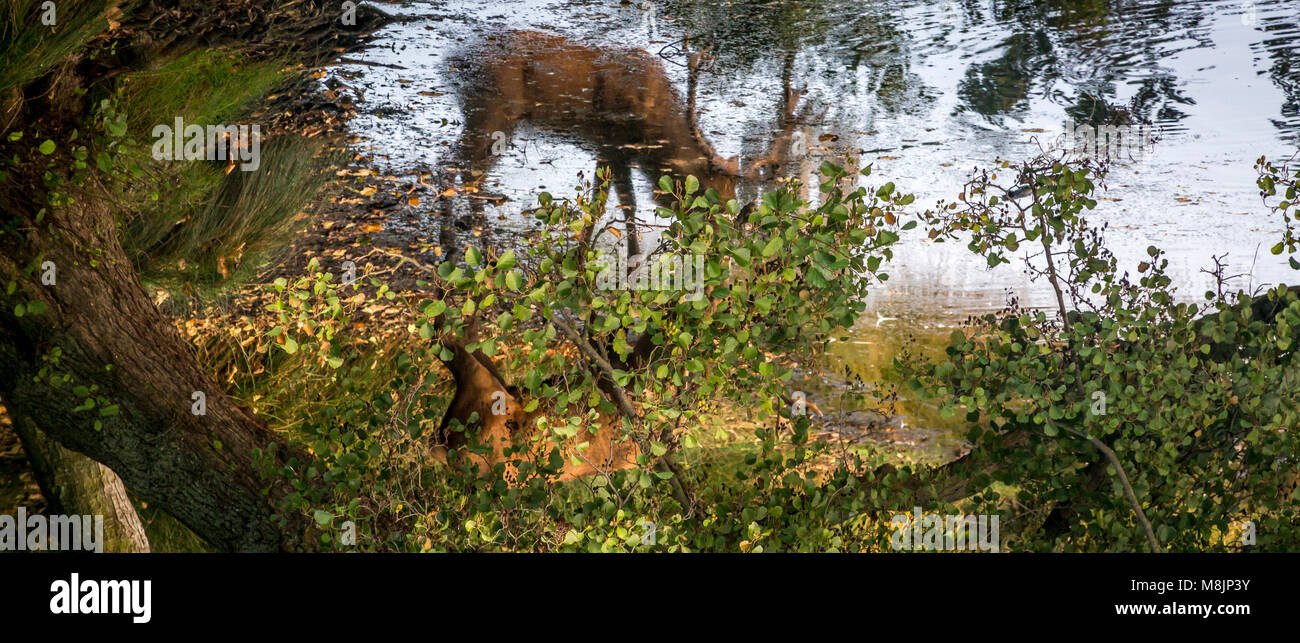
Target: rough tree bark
pixel 75 484
pixel 106 333
pixel 99 329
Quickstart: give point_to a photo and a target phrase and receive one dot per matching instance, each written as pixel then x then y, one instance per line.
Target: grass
pixel 167 534
pixel 193 228
pixel 218 235
pixel 205 86
pixel 29 49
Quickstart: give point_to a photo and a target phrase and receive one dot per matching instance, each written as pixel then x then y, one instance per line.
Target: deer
pixel 620 102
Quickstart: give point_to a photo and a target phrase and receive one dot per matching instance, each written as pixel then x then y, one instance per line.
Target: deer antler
pixel 692 80
pixel 779 149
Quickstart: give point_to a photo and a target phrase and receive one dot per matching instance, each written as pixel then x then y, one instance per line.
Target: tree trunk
pixel 74 484
pixel 99 336
pixel 100 330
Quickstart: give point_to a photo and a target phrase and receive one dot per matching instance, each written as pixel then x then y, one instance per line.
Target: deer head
pixel 725 173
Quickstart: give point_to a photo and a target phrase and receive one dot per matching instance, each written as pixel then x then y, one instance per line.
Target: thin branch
pixel 665 463
pixel 1123 479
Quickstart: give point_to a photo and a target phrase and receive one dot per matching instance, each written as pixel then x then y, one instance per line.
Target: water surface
pixel 925 91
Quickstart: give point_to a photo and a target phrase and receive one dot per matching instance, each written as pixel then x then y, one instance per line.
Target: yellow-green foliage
pixel 197 227
pixel 29 48
pixel 201 87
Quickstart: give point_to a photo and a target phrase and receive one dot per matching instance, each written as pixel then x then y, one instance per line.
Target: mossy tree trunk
pixel 92 333
pixel 100 337
pixel 75 484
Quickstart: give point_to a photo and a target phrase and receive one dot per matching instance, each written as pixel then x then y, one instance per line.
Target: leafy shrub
pixel 1126 420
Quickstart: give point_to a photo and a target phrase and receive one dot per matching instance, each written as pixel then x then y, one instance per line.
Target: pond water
pixel 926 91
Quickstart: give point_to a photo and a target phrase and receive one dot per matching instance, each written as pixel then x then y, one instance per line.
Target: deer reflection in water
pixel 619 103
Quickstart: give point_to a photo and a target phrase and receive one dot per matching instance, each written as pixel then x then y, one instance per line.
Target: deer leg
pixel 627 203
pixel 489 144
pixel 486 134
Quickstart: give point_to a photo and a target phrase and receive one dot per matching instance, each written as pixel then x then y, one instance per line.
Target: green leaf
pixel 435 308
pixel 323 517
pixel 514 281
pixel 773 246
pixel 47 148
